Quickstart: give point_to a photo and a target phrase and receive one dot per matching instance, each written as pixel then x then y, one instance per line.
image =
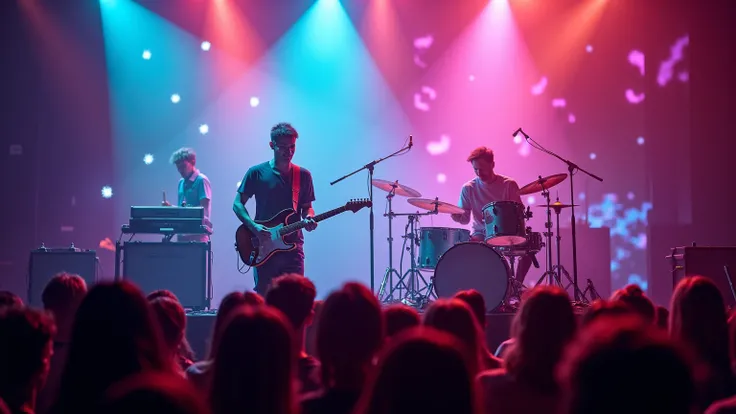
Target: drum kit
pixel 459 263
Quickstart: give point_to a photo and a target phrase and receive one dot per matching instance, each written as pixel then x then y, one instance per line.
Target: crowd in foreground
pixel 114 350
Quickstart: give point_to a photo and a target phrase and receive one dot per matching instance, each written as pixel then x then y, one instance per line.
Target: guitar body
pixel 255 251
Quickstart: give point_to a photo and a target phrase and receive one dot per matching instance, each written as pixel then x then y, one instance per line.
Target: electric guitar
pixel 256 250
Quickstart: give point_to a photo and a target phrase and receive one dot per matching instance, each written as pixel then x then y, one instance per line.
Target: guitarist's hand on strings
pixel 311 224
pixel 261 231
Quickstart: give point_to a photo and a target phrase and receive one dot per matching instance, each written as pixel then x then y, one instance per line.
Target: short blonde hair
pixel 184 154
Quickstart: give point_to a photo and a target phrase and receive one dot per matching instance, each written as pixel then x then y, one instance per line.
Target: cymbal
pixel 401 190
pixel 557 205
pixel 429 204
pixel 542 184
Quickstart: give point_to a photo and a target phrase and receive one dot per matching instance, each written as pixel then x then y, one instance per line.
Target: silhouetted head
pixel 422 371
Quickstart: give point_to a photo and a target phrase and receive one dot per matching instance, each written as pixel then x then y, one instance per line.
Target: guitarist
pixel 277 185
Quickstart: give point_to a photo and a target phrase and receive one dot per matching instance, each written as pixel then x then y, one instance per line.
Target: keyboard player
pixel 194 189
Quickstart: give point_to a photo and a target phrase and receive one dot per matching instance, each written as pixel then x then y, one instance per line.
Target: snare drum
pixel 435 241
pixel 504 223
pixel 473 265
pixel 534 243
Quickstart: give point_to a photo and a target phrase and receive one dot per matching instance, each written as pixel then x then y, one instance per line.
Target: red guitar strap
pixel 295 183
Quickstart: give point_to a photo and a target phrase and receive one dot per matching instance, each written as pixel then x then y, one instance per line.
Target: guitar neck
pixel 291 228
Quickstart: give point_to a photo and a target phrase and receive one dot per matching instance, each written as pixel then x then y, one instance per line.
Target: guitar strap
pixel 295 184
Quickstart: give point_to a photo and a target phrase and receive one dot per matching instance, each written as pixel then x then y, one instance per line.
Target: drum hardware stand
pixel 549 273
pixel 593 293
pixel 388 275
pixel 412 296
pixel 559 268
pixel 571 168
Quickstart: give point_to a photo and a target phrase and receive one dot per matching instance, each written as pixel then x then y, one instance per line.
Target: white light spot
pixel 559 103
pixel 441 178
pixel 175 98
pixel 640 140
pixel 593 156
pixel 525 149
pixel 238 185
pixel 589 48
pixel 206 46
pixel 531 200
pixel 147 54
pixel 106 191
pixel 204 129
pixel 254 101
pixel 633 97
pixel 539 87
pixel 517 138
pixel 581 196
pixel 148 159
pixel 471 78
pixel 571 118
pixel 630 195
pixel 439 147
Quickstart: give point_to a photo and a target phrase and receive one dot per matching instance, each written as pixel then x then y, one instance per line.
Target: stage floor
pixel 199 331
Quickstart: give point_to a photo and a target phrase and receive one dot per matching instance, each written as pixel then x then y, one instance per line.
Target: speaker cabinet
pixel 45 263
pixel 708 262
pixel 181 267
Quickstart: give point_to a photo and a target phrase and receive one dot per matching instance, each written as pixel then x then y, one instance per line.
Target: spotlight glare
pixel 148 159
pixel 204 129
pixel 441 178
pixel 175 98
pixel 106 191
pixel 254 101
pixel 640 140
pixel 206 46
pixel 589 48
pixel 517 138
pixel 593 156
pixel 471 78
pixel 530 200
pixel 147 54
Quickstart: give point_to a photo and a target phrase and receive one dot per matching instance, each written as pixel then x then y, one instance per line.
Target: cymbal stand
pixel 409 281
pixel 549 273
pixel 388 275
pixel 577 293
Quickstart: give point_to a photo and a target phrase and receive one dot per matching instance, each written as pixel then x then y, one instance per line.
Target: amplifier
pixel 45 263
pixel 181 267
pixel 705 261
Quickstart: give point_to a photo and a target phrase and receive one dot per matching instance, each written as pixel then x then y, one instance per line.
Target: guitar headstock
pixel 357 204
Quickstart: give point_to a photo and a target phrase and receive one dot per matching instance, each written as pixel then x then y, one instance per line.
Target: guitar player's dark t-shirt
pixel 272 191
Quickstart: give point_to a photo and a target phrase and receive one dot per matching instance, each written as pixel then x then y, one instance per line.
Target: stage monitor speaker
pixel 708 262
pixel 45 263
pixel 181 267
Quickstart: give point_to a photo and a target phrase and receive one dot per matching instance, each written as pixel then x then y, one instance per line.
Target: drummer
pixel 485 188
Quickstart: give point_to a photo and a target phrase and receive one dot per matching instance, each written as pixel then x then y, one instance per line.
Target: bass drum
pixel 473 265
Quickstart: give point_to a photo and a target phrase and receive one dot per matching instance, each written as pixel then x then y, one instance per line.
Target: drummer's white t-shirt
pixel 475 194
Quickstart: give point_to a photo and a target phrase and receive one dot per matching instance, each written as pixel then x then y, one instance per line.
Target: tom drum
pixel 435 241
pixel 504 223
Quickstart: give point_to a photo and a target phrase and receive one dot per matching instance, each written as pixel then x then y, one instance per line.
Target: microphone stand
pixel 571 168
pixel 370 166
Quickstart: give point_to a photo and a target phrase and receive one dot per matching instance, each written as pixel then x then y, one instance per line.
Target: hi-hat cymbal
pixel 429 205
pixel 400 189
pixel 542 184
pixel 558 205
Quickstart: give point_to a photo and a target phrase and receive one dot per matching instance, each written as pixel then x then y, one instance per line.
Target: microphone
pixel 520 131
pixel 411 141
